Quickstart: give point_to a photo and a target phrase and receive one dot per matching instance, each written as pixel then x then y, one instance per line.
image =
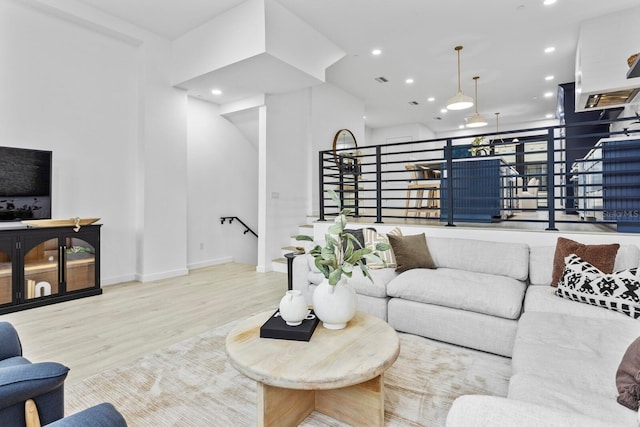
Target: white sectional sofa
pixel 473 299
pixel 564 362
pixel 496 297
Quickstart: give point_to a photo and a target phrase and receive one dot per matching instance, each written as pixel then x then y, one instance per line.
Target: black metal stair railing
pixel 231 218
pixel 585 173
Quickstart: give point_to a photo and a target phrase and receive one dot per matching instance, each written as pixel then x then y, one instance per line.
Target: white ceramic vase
pixel 293 308
pixel 334 305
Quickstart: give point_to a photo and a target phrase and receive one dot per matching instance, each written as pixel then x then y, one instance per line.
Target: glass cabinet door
pixel 80 264
pixel 6 272
pixel 41 271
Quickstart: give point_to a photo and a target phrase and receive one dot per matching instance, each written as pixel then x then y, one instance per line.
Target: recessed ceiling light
pixel 549 2
pixel 549 49
pixel 431 99
pixel 376 52
pixel 444 110
pixel 549 78
pixel 548 94
pixel 409 81
pixel 550 116
pixel 461 127
pixel 216 92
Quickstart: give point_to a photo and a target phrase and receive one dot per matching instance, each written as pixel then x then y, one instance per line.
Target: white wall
pixel 162 216
pixel 233 36
pixel 74 91
pixel 96 91
pixel 284 171
pixel 332 109
pixel 223 181
pixel 400 133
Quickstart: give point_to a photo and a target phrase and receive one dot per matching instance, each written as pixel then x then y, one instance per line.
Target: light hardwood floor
pixel 130 319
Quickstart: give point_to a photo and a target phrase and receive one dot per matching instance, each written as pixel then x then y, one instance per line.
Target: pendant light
pixel 460 101
pixel 498 128
pixel 476 121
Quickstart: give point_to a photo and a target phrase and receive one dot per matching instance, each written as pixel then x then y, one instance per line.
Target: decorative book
pixel 277 328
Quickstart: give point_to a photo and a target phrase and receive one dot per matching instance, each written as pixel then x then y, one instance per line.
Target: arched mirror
pixel 344 150
pixel 343 142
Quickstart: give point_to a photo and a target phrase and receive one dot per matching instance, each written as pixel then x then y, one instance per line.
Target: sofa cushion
pixel 584 283
pixel 378 288
pixel 358 233
pixel 569 362
pixel 541 262
pixel 602 257
pixel 478 292
pixel 482 411
pixel 544 299
pixel 411 252
pixel 480 256
pixel 371 238
pixel 628 377
pixel 563 348
pixel 569 396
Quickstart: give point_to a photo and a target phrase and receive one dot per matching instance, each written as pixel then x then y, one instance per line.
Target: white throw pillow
pixel 582 282
pixel 371 237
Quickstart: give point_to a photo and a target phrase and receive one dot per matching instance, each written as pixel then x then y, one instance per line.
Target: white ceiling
pixel 503 41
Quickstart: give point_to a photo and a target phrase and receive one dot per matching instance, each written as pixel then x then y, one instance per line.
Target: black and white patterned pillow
pixel 582 282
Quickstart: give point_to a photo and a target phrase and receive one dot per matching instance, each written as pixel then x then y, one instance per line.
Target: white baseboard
pixel 159 276
pixel 263 268
pixel 164 275
pixel 115 280
pixel 209 263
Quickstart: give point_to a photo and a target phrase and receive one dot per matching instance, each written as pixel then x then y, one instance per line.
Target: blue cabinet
pixel 483 190
pixel 621 183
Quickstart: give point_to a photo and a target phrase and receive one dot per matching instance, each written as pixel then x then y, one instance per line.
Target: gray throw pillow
pixel 628 377
pixel 411 252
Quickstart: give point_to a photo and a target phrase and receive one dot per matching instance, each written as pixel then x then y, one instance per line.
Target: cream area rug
pixel 191 383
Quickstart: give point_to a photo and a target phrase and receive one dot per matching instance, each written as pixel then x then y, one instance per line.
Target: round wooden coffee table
pixel 338 373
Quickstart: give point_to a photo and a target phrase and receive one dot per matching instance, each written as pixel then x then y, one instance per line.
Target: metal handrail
pixel 231 218
pixel 376 187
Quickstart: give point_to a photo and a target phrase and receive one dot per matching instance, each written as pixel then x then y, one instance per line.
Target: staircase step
pixel 288 249
pixel 306 229
pixel 279 265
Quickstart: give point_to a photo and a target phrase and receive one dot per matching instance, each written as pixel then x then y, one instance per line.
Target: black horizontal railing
pixel 247 229
pixel 577 173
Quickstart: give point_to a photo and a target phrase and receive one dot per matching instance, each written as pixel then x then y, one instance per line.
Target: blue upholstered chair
pixel 21 380
pixel 102 415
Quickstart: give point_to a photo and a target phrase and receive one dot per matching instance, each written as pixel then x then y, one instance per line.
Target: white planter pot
pixel 334 305
pixel 293 308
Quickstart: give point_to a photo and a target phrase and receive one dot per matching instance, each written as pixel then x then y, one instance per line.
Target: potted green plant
pixel 479 147
pixel 334 302
pixel 342 252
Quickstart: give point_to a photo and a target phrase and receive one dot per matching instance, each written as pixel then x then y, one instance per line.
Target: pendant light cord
pixel 458 49
pixel 475 78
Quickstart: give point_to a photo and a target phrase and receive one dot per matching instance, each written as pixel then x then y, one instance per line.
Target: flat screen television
pixel 25 184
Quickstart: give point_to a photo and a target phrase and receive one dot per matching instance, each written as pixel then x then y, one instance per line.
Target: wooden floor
pixel 131 319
